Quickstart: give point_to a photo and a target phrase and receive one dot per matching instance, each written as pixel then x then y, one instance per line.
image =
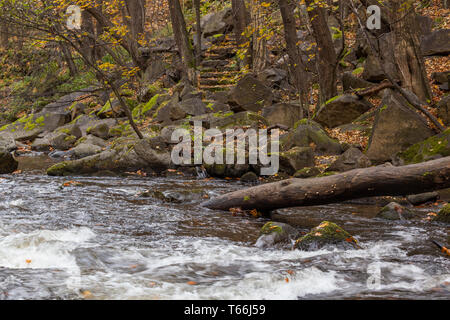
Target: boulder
pixel 154 153
pixel 249 177
pixel 7 142
pixel 241 119
pixel 273 77
pixel 193 106
pixel 284 114
pixel 396 128
pixel 86 122
pixel 100 130
pixel 251 94
pixel 7 162
pixel 327 235
pixel 418 199
pixel 436 43
pixel 443 215
pixel 276 234
pixel 218 106
pixel 351 159
pixel 29 127
pixel 216 23
pixel 435 147
pixel 71 130
pixel 226 170
pixel 296 159
pixel 307 173
pixel 85 149
pixel 351 82
pixel 373 71
pixel 61 141
pixel 443 108
pixel 341 110
pixel 308 133
pixel 121 158
pixel 395 211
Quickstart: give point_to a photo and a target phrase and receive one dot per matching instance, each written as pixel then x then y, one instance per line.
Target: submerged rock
pixel 326 235
pixel 395 211
pixel 276 233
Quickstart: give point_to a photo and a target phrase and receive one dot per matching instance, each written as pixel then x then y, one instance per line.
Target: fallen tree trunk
pixel 359 183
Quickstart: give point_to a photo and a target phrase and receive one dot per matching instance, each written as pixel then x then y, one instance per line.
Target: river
pixel 100 239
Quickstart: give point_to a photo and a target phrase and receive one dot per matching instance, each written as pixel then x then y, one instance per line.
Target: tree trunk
pixel 326 56
pixel 359 183
pixel 296 65
pixel 182 39
pixel 241 21
pixel 198 54
pixel 4 35
pixel 135 10
pixel 408 56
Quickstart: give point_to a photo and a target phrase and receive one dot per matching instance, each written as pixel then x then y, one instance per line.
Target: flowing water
pixel 99 239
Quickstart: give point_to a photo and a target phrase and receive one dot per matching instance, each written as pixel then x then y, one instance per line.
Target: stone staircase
pixel 218 70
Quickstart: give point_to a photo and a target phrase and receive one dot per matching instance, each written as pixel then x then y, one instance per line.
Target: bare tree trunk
pixel 359 183
pixel 326 56
pixel 408 56
pixel 198 35
pixel 296 65
pixel 241 21
pixel 182 38
pixel 4 35
pixel 67 54
pixel 135 10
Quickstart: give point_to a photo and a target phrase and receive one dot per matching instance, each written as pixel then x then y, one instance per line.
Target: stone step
pixel 219 74
pixel 214 63
pixel 221 87
pixel 215 81
pixel 226 68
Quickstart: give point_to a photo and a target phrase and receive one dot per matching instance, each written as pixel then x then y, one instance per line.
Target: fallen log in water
pixel 359 183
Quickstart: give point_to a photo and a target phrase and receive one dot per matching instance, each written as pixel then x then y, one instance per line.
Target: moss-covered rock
pixel 276 233
pixel 326 235
pixel 432 148
pixel 296 159
pixel 241 119
pixel 307 173
pixel 308 133
pixel 444 214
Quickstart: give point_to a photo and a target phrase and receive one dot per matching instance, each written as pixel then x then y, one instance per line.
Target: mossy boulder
pixel 232 120
pixel 397 127
pixel 100 130
pixel 327 235
pixel 296 159
pixel 444 214
pixel 351 159
pixel 307 173
pixel 249 177
pixel 395 211
pixel 250 94
pixel 7 162
pixel 341 110
pixel 434 147
pixel 283 114
pixel 307 133
pixel 276 234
